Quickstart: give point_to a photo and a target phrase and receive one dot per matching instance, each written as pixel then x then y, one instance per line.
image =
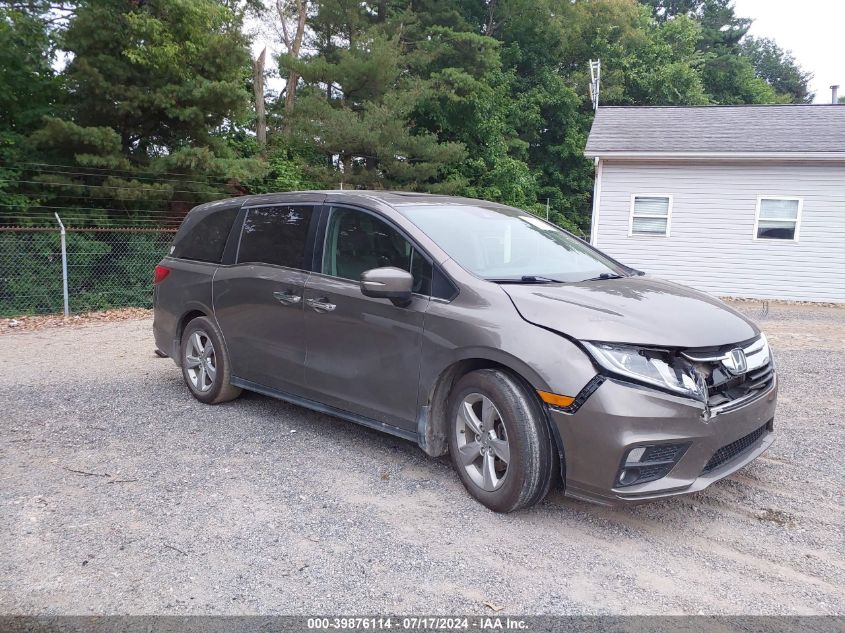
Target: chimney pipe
pixel 834 94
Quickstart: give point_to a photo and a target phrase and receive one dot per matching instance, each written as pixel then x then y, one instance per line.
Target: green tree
pixel 30 87
pixel 728 77
pixel 163 75
pixel 147 121
pixel 152 89
pixel 29 90
pixel 547 44
pixel 778 68
pixel 355 107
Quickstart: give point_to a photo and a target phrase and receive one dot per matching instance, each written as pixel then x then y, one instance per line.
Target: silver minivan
pixel 470 328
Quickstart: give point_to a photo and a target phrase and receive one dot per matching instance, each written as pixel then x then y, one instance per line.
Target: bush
pixel 106 269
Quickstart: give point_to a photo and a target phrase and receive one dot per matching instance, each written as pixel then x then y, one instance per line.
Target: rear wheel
pixel 499 440
pixel 205 363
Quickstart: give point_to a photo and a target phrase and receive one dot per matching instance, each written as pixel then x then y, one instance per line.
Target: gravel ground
pixel 122 494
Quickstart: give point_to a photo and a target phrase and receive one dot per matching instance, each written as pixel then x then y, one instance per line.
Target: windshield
pixel 505 244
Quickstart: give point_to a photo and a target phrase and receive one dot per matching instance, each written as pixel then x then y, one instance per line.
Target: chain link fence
pixel 106 268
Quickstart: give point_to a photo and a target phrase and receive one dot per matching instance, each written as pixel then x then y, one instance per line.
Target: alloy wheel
pixel 482 441
pixel 200 361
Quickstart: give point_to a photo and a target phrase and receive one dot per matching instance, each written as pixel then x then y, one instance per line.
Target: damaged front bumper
pixel 600 438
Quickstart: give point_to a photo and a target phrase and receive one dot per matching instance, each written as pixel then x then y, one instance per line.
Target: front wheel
pixel 499 441
pixel 205 363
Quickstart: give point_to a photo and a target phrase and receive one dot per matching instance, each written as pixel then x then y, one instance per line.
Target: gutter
pixel 594 226
pixel 781 156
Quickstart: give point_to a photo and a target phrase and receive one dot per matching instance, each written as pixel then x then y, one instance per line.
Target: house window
pixel 650 215
pixel 777 218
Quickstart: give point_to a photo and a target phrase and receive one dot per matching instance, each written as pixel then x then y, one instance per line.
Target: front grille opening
pixel 724 387
pixel 737 448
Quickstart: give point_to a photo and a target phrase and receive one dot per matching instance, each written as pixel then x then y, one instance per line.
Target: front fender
pixel 489 333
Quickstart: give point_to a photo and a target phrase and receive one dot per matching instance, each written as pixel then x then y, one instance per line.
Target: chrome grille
pixel 723 386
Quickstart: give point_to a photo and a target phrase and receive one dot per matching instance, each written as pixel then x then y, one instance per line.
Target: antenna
pixel 595 82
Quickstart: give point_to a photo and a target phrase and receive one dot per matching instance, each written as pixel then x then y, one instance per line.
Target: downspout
pixel 594 225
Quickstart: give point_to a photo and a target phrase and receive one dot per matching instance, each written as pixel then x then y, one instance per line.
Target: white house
pixel 744 201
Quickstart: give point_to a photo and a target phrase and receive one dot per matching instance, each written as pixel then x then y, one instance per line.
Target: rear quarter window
pixel 203 236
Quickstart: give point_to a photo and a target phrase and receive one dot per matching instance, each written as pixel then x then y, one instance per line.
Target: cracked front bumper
pixel 620 416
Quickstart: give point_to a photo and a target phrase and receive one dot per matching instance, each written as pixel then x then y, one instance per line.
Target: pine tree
pixel 355 106
pixel 152 89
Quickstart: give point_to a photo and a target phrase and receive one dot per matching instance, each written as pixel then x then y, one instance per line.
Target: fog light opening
pixel 629 476
pixel 649 463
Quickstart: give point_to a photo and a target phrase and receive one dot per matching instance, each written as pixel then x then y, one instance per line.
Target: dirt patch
pixel 778 517
pixel 797 326
pixel 48 321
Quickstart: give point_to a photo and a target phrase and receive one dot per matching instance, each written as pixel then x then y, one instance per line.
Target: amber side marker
pixel 555 400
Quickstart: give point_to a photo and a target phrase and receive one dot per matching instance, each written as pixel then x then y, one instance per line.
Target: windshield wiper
pixel 604 276
pixel 535 279
pixel 528 279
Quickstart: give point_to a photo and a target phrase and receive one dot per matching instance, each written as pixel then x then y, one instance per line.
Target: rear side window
pixel 204 238
pixel 275 235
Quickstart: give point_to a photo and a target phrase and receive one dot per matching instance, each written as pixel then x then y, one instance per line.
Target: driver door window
pixel 357 241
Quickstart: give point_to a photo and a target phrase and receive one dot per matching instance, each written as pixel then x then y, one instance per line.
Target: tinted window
pixel 203 235
pixel 357 241
pixel 441 286
pixel 275 235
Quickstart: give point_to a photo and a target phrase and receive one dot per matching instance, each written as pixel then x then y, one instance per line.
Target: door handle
pixel 321 305
pixel 288 297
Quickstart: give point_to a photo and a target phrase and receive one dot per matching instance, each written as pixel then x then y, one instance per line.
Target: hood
pixel 640 310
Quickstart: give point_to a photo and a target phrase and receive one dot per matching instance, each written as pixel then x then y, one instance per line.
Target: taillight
pixel 161 272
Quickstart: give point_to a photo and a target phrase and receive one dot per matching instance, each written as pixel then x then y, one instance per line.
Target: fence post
pixel 64 263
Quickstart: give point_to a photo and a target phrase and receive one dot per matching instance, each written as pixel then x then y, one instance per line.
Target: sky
pixel 814 30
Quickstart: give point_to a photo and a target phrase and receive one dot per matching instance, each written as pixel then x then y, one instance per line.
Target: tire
pixel 211 387
pixel 516 417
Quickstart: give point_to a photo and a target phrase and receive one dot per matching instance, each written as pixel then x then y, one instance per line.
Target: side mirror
pixel 388 283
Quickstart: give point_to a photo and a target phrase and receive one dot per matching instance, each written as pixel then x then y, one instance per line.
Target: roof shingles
pixel 781 129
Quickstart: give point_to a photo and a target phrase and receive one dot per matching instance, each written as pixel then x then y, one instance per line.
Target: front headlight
pixel 654 367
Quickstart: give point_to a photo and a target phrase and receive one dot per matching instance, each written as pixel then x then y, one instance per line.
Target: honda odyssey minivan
pixel 473 329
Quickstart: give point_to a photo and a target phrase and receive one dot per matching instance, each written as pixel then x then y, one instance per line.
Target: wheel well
pixel 183 323
pixel 432 427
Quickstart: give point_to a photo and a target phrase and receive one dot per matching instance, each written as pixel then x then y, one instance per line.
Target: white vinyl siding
pixel 778 218
pixel 650 215
pixel 714 216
